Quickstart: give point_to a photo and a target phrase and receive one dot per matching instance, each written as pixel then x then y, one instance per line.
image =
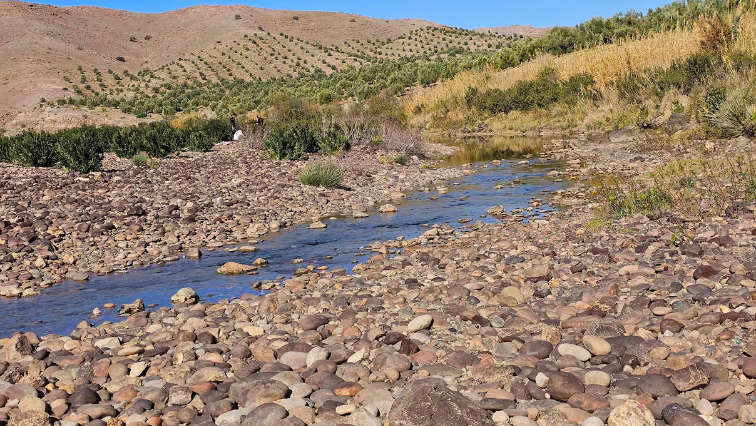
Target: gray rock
pixel 185 295
pixel 255 393
pixel 267 414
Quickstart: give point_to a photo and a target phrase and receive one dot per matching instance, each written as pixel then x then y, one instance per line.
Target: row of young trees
pixel 81 148
pixel 234 95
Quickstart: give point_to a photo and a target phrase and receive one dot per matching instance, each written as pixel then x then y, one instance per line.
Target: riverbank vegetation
pixel 296 127
pixel 635 81
pixel 81 148
pixel 322 173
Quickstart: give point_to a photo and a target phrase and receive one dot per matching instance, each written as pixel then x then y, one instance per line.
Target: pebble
pixel 596 345
pixel 574 350
pixel 420 323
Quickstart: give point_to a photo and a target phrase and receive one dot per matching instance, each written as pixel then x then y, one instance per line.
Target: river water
pixel 59 309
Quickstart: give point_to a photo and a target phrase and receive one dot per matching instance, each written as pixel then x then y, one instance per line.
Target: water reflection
pixel 486 149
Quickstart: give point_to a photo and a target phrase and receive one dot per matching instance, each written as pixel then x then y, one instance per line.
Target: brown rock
pixel 729 408
pixel 437 406
pixel 256 393
pixel 717 391
pixel 233 268
pixel 690 377
pixel 587 401
pixel 347 389
pixel 657 385
pixel 562 386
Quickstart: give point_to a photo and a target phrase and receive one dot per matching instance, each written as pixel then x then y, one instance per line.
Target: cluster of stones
pixel 646 323
pixel 57 225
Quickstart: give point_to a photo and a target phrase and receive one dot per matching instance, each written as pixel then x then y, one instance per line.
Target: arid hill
pixel 518 30
pixel 49 52
pixel 40 44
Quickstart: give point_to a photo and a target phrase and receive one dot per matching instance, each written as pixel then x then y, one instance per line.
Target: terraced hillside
pixel 263 55
pixel 48 53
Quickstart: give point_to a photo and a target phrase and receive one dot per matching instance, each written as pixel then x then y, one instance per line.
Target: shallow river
pixel 59 309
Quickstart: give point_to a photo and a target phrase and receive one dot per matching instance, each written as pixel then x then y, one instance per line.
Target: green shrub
pixel 333 140
pixel 322 173
pixel 530 95
pixel 5 149
pixel 650 202
pixel 156 139
pixel 160 139
pixel 79 150
pixel 216 129
pixel 288 140
pixel 140 159
pixel 685 74
pixel 126 143
pixel 33 149
pixel 402 159
pixel 199 141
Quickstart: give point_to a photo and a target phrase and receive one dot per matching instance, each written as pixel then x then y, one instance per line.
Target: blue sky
pixel 465 14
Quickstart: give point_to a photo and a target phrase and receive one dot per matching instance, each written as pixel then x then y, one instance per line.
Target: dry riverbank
pixel 57 225
pixel 638 323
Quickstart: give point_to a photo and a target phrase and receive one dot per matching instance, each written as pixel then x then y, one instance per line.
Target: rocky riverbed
pixel 642 323
pixel 57 225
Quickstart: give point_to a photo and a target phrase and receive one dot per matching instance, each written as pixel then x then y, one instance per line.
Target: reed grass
pixel 445 101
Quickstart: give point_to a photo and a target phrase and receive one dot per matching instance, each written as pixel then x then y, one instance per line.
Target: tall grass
pixel 322 173
pixel 652 63
pixel 604 63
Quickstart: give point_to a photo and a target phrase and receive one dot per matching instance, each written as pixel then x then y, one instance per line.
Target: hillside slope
pixel 40 44
pixel 515 30
pixel 47 52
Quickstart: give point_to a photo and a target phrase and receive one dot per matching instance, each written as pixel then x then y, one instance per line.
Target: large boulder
pixel 18 347
pixel 255 393
pixel 434 405
pixel 185 295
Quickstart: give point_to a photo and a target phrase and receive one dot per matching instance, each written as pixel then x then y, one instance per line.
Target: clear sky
pixel 465 14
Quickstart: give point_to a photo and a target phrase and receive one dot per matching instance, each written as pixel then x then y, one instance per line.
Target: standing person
pixel 260 121
pixel 233 124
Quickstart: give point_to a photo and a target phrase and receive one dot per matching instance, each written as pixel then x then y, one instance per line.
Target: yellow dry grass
pixel 605 63
pixel 746 40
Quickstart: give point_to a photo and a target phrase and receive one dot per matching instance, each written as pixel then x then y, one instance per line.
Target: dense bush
pixel 5 149
pixel 33 149
pixel 542 92
pixel 726 109
pixel 733 115
pixel 315 132
pixel 215 129
pixel 289 139
pixel 322 173
pixel 682 75
pixel 157 139
pixel 333 139
pixel 79 149
pixel 200 141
